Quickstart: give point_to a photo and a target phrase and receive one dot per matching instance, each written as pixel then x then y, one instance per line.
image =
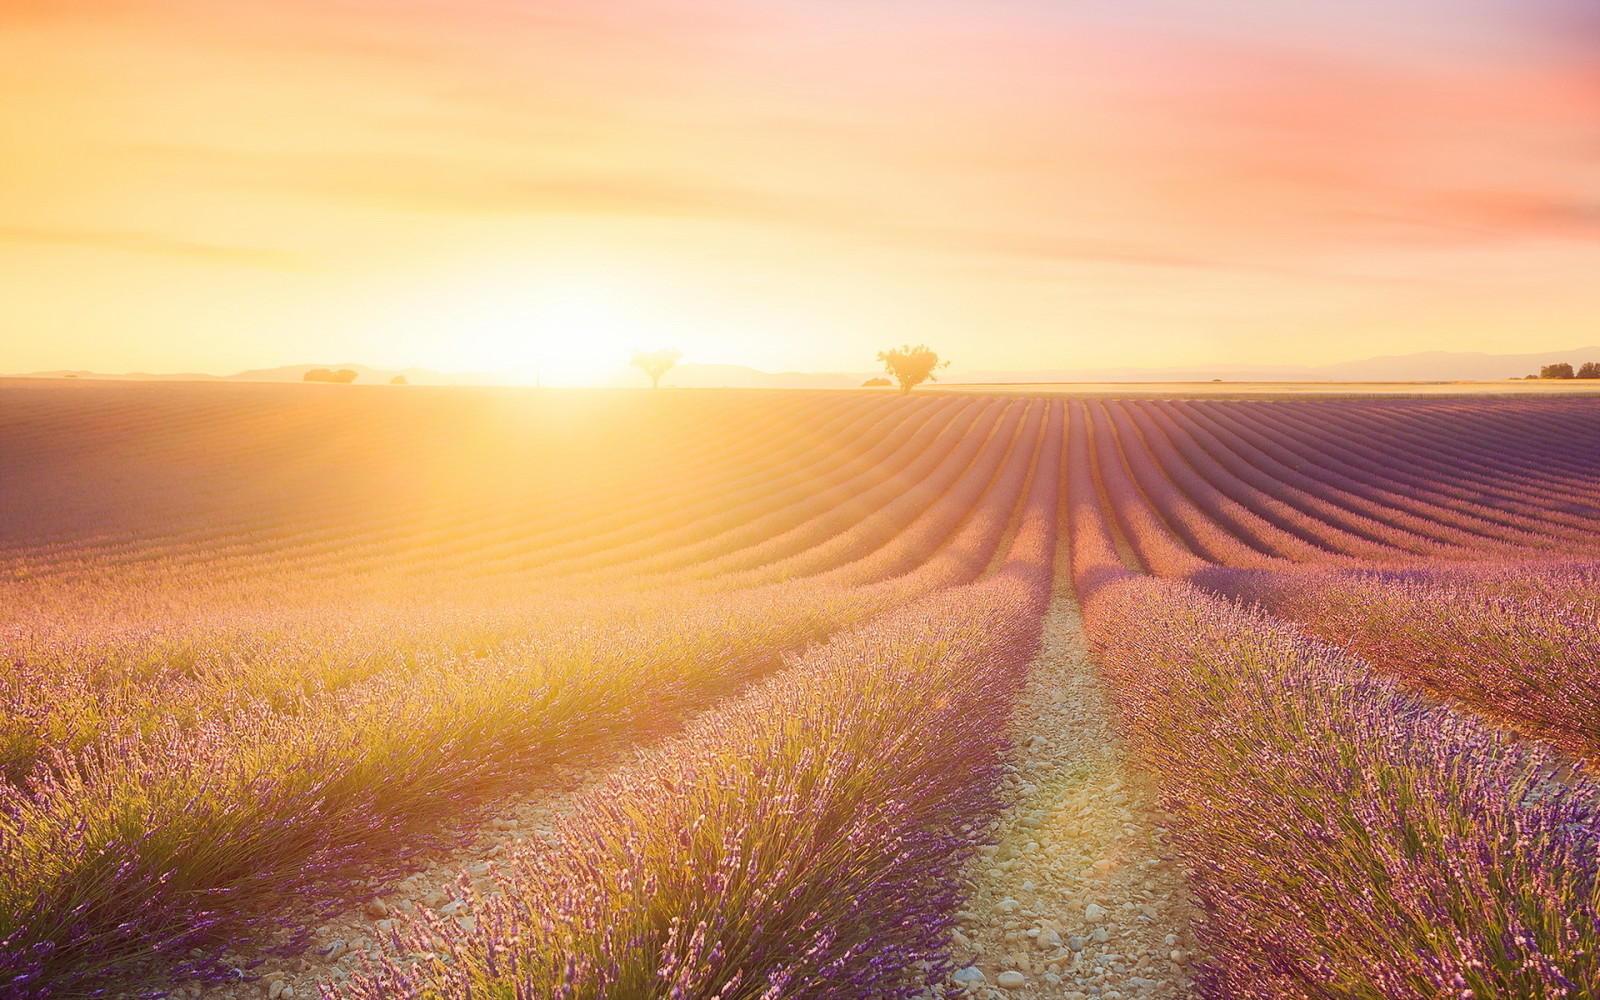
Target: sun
pixel 577 333
pixel 567 330
pixel 578 324
pixel 584 332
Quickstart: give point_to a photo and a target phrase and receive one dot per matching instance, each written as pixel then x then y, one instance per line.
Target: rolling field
pixel 272 650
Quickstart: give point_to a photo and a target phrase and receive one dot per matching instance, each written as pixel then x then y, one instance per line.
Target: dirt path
pixel 1080 897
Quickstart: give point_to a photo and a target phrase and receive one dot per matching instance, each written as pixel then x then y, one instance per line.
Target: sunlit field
pixel 271 652
pixel 1295 390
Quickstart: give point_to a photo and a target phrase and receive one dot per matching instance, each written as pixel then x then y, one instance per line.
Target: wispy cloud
pixel 1266 161
pixel 152 243
pixel 437 185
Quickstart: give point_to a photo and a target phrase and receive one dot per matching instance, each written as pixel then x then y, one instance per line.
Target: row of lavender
pixel 394 480
pixel 176 789
pixel 77 677
pixel 804 840
pixel 454 487
pixel 193 817
pixel 1512 641
pixel 1271 485
pixel 1348 836
pixel 940 509
pixel 363 464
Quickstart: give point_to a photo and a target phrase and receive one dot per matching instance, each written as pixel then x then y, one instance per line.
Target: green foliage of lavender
pixel 185 774
pixel 1518 644
pixel 804 841
pixel 1348 838
pixel 225 808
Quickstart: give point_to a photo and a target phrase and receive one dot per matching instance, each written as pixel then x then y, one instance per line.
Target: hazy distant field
pixel 1225 390
pixel 272 648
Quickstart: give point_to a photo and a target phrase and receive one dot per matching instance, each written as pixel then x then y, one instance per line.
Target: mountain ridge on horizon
pixel 1435 366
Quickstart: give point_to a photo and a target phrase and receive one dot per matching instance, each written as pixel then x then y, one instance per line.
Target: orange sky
pixel 793 184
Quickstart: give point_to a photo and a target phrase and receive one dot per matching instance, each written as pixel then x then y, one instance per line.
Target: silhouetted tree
pixel 343 375
pixel 1563 370
pixel 911 366
pixel 656 363
pixel 398 380
pixel 1589 369
pixel 877 380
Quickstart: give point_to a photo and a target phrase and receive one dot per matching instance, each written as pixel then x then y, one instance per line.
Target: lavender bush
pixel 1346 837
pixel 803 842
pixel 1530 661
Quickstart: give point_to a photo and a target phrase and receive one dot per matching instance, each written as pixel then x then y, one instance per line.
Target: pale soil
pixel 1080 895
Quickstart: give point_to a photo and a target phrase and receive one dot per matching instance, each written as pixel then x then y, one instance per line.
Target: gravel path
pixel 1079 897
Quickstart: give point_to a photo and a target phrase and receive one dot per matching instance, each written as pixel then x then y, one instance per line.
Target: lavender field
pixel 270 652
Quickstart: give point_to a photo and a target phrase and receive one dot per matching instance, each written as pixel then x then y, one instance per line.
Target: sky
pixel 522 186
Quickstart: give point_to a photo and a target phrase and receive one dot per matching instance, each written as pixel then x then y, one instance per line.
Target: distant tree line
pixel 1589 369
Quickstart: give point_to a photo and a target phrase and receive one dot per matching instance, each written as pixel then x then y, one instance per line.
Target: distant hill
pixel 366 373
pixel 692 376
pixel 1427 366
pixel 288 373
pixel 1456 365
pixel 122 376
pixel 1196 373
pixel 689 376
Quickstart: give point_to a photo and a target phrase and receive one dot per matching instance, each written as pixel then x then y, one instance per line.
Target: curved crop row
pixel 380 483
pixel 934 464
pixel 1479 462
pixel 1299 506
pixel 1181 499
pixel 950 491
pixel 1157 545
pixel 1399 485
pixel 968 523
pixel 1263 484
